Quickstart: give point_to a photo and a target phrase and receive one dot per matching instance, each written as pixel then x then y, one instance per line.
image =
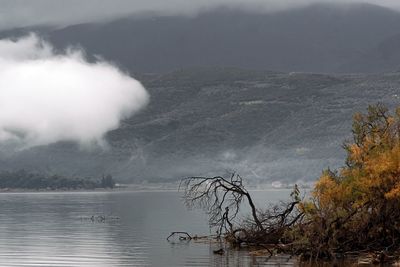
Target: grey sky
pixel 19 13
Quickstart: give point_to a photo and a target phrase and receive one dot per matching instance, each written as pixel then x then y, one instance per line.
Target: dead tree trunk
pixel 221 198
pixel 219 195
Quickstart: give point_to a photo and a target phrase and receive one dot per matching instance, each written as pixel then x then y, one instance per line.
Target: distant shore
pixel 140 187
pixel 28 190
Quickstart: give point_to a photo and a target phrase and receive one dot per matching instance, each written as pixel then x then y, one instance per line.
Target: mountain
pixel 383 57
pixel 286 124
pixel 320 38
pixel 266 125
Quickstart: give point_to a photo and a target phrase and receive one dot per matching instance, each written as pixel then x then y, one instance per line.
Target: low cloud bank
pixel 25 13
pixel 47 97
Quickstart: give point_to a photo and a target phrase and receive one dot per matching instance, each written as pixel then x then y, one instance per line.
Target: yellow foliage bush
pixel 358 206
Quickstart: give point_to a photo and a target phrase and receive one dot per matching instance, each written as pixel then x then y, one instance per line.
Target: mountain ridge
pixel 265 125
pixel 319 38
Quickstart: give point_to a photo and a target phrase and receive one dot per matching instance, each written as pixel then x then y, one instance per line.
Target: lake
pixel 56 229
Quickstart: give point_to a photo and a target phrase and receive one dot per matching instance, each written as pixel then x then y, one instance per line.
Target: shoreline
pixel 23 190
pixel 134 188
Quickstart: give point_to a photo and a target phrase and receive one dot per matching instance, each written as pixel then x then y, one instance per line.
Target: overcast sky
pixel 19 13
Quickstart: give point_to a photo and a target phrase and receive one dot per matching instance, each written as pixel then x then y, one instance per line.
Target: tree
pixel 360 201
pixel 355 208
pixel 222 198
pixel 107 181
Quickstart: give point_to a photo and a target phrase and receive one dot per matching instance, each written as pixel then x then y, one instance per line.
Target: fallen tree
pixel 353 209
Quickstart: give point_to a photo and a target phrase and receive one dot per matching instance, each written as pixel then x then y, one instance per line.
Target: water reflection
pixel 50 229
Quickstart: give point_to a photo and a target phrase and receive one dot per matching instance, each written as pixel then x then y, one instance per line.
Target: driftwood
pixel 186 237
pixel 100 218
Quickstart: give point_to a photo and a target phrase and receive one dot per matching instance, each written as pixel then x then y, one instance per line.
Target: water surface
pixel 55 229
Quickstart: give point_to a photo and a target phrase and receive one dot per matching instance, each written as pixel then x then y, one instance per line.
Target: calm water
pixel 54 229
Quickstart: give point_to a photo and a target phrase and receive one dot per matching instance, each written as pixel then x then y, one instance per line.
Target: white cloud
pixel 47 97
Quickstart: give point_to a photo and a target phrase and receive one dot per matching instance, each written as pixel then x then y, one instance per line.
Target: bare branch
pixel 220 197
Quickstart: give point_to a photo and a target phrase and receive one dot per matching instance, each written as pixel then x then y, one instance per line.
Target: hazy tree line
pixel 26 180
